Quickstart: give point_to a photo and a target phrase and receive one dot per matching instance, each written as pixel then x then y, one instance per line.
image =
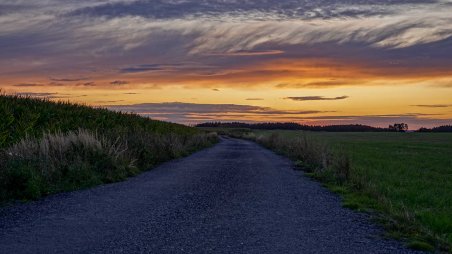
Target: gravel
pixel 236 197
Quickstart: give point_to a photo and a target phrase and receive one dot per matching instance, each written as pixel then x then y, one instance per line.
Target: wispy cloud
pixel 316 98
pixel 433 105
pixel 188 108
pixel 112 35
pixel 28 85
pixel 248 53
pixel 119 82
pixel 186 112
pixel 144 68
pixel 69 79
pixel 195 113
pixel 40 95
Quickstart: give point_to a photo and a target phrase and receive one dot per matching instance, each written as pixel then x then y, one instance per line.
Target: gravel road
pixel 233 198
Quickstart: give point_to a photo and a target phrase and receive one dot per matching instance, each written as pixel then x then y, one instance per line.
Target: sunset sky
pixel 372 62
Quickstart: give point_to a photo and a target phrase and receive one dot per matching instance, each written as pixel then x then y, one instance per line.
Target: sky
pixel 373 62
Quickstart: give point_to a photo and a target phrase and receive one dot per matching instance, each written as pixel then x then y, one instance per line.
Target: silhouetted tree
pixel 399 127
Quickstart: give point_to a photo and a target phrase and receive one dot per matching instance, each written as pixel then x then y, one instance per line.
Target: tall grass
pixel 310 155
pixel 48 147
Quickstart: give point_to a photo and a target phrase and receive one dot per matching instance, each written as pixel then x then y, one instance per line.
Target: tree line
pixel 397 127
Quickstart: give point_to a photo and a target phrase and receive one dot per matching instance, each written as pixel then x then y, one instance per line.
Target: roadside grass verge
pixel 50 147
pixel 404 180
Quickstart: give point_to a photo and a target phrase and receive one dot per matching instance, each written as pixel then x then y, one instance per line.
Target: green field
pixel 48 147
pixel 405 177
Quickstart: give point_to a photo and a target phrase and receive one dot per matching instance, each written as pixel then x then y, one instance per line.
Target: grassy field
pixel 48 147
pixel 405 177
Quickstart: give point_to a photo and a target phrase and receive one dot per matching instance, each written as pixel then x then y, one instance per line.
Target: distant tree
pixel 399 127
pixel 423 129
pixel 444 128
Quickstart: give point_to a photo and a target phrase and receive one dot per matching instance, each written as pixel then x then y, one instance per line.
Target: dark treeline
pixel 444 128
pixel 331 128
pixel 295 126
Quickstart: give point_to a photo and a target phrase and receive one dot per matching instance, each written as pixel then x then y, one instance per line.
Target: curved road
pixel 233 198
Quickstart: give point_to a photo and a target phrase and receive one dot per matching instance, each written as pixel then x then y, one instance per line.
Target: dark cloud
pixel 119 82
pixel 68 79
pixel 28 85
pixel 150 68
pixel 216 90
pixel 142 68
pixel 108 101
pixel 254 99
pixel 433 105
pixel 316 98
pixel 317 84
pixel 195 113
pixel 86 84
pixel 249 53
pixel 186 112
pixel 188 108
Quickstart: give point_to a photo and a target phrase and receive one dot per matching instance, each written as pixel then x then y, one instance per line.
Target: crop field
pixel 405 177
pixel 48 147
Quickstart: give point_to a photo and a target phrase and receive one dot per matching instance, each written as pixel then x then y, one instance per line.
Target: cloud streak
pixel 433 105
pixel 190 113
pixel 316 98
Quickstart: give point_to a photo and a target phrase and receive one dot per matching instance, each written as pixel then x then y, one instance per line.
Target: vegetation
pixel 403 179
pixel 444 128
pixel 295 126
pixel 48 147
pixel 397 127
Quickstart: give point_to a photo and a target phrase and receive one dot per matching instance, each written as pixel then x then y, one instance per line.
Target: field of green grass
pixel 48 147
pixel 405 177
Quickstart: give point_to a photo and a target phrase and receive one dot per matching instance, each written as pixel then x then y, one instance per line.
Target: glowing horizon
pixel 325 62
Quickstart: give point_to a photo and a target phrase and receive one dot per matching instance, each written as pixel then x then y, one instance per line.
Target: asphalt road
pixel 233 198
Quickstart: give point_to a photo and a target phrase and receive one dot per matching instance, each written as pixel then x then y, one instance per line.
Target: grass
pixel 403 179
pixel 50 147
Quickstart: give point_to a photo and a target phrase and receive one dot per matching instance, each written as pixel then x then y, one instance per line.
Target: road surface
pixel 236 197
